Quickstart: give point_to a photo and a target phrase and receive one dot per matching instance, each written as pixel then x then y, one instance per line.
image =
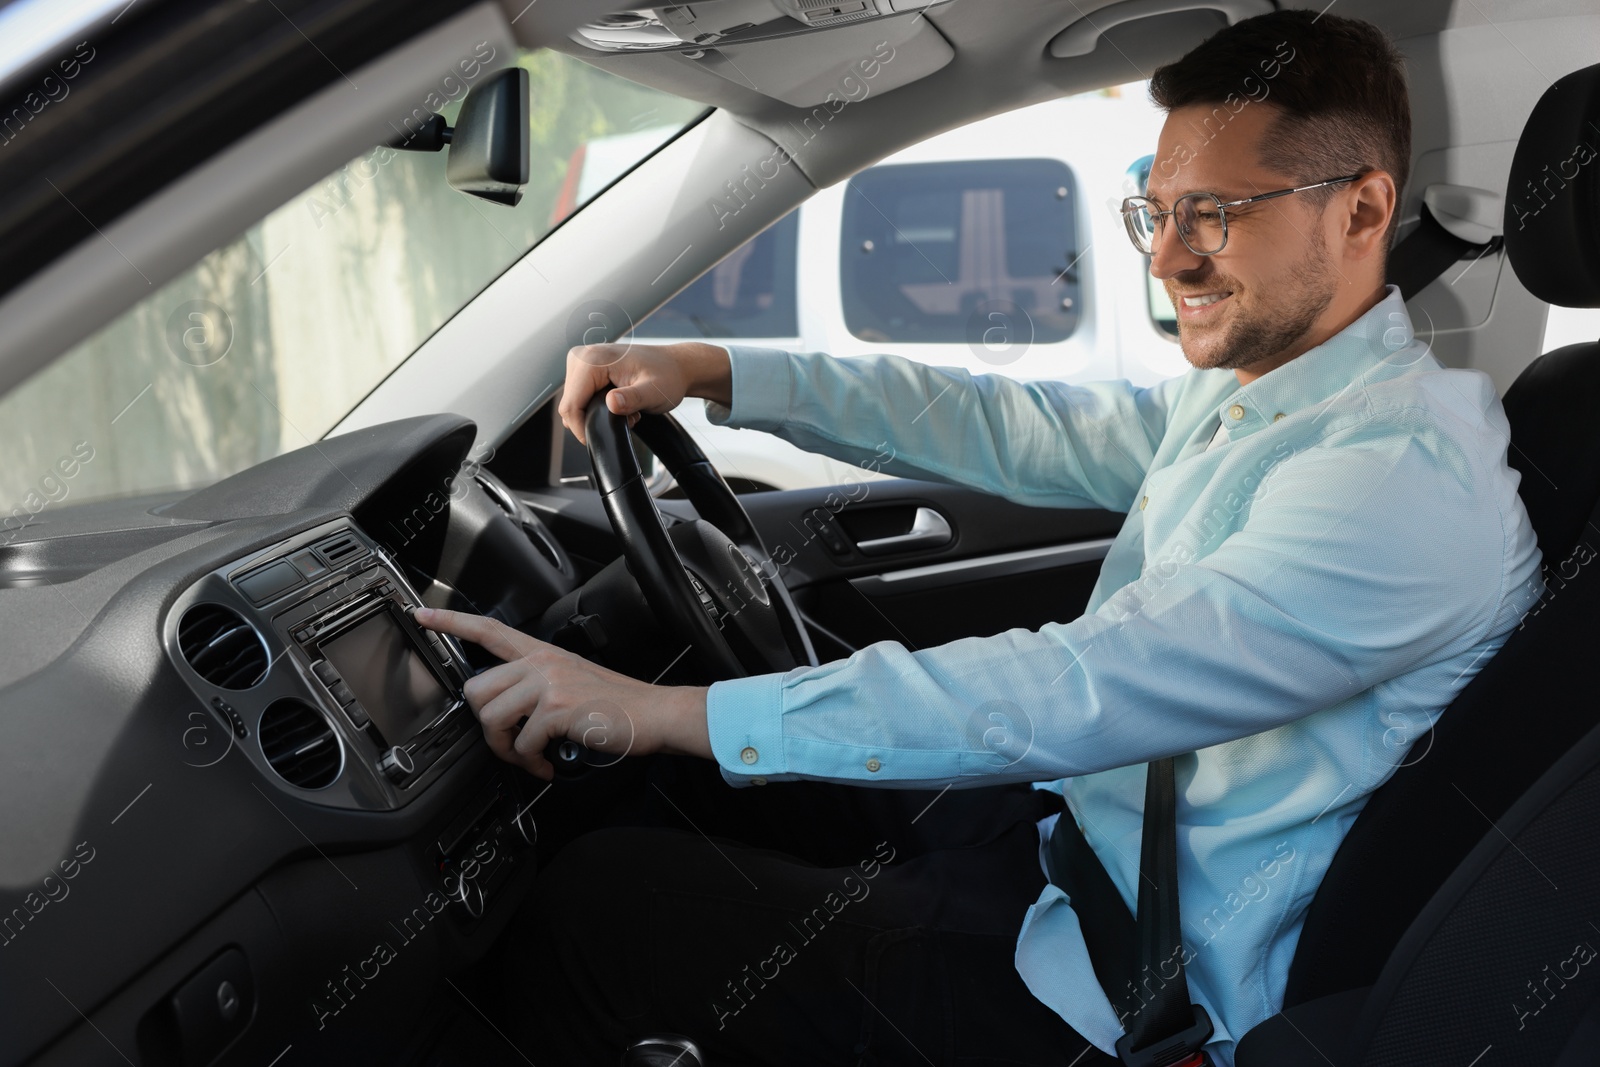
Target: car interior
pixel 249 817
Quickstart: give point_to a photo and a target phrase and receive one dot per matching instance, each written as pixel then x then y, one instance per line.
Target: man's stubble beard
pixel 1309 288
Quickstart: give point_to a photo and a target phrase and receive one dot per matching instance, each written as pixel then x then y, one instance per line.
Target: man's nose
pixel 1169 255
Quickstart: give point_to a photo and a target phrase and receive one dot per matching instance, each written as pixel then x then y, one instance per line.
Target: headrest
pixel 1552 222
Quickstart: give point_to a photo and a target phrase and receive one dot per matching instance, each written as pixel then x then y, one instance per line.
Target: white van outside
pixel 996 248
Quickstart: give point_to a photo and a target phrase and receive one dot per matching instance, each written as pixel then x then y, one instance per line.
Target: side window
pixel 1163 316
pixel 1570 326
pixel 930 251
pixel 751 293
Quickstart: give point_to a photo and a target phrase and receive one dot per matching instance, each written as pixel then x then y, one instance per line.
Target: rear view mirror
pixel 489 142
pixel 1137 176
pixel 489 146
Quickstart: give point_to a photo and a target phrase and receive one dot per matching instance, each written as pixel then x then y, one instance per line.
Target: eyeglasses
pixel 1202 217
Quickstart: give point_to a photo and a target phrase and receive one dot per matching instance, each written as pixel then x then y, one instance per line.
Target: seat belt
pixel 1427 252
pixel 1135 957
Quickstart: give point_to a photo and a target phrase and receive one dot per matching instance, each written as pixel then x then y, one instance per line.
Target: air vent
pixel 221 647
pixel 335 550
pixel 299 744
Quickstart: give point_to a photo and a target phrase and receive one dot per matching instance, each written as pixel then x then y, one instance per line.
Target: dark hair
pixel 1339 83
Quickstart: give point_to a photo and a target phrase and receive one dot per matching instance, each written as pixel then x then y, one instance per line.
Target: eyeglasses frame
pixel 1222 214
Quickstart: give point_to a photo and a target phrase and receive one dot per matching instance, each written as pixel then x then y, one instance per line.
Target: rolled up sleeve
pixel 1042 443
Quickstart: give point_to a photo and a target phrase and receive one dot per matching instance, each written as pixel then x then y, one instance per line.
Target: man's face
pixel 1248 305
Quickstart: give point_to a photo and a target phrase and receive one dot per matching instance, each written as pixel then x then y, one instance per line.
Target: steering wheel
pixel 710 580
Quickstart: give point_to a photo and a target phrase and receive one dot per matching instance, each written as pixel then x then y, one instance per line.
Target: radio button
pixel 325 672
pixel 269 582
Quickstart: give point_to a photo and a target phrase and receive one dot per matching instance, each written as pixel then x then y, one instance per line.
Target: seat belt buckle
pixel 1186 1048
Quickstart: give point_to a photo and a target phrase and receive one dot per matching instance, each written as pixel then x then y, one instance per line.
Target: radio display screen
pixel 387 674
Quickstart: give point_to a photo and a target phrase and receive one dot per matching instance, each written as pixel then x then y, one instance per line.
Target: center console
pixel 310 662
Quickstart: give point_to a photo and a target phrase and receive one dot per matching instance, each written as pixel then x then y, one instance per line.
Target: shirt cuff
pixel 744 717
pixel 760 389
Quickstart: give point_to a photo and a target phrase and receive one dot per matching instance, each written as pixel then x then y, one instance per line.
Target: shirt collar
pixel 1382 335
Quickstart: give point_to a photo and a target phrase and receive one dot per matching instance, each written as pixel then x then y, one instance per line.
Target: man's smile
pixel 1198 307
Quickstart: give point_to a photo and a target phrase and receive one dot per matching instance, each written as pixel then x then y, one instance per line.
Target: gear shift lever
pixel 572 760
pixel 663 1050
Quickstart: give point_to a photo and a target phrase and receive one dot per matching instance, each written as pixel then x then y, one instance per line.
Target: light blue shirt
pixel 1286 612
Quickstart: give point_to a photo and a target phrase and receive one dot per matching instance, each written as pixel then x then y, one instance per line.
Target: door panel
pixel 941 562
pixel 1002 565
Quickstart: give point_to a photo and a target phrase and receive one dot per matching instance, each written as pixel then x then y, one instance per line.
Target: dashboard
pixel 248 808
pixel 247 818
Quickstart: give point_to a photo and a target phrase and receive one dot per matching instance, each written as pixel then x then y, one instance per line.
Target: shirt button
pixel 1236 412
pixel 1278 416
pixel 873 765
pixel 1143 502
pixel 749 755
pixel 758 781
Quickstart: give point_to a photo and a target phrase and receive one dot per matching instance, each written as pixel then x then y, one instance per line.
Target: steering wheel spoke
pixel 698 577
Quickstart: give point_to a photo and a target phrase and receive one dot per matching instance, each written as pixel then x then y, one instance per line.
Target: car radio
pixel 390 678
pixel 324 615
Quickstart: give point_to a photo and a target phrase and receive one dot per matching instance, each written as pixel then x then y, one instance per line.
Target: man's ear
pixel 1372 202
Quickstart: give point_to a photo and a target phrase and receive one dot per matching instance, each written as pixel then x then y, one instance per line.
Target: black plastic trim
pixel 165 89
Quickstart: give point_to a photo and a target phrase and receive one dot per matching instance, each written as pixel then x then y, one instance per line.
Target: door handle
pixel 929 529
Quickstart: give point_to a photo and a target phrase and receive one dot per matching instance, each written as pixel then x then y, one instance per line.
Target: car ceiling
pixel 979 64
pixel 999 63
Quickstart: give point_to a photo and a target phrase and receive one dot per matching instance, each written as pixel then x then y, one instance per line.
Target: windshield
pixel 267 342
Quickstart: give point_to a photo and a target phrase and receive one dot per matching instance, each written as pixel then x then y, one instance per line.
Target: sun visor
pixel 843 64
pixel 1081 37
pixel 720 23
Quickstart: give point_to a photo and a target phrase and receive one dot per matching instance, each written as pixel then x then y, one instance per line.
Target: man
pixel 1323 545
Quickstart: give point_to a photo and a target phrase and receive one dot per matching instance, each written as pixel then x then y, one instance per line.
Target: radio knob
pixel 396 764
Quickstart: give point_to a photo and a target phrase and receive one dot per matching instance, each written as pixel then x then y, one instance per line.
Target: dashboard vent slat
pixel 335 550
pixel 299 744
pixel 221 647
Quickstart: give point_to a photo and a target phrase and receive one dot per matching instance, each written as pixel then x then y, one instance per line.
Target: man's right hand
pixel 648 378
